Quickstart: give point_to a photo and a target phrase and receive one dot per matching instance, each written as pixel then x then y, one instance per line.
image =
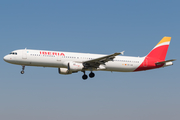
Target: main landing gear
pixel 91 75
pixel 23 67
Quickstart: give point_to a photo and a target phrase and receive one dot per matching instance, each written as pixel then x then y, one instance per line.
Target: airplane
pixel 71 62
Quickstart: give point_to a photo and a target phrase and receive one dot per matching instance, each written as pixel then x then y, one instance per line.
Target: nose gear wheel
pixel 23 67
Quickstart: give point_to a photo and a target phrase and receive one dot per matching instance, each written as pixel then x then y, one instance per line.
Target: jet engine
pixel 64 71
pixel 74 67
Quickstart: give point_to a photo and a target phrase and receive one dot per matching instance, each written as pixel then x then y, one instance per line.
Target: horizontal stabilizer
pixel 158 63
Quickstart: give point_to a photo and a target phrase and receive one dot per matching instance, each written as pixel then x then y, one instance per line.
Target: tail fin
pixel 160 50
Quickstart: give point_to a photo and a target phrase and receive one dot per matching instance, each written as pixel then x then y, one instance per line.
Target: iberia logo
pixel 51 53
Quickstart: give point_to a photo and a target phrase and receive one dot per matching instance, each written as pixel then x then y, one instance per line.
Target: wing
pixel 94 63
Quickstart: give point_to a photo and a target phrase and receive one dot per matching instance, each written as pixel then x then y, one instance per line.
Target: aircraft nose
pixel 5 58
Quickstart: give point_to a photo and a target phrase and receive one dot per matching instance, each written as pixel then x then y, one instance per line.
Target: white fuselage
pixel 58 59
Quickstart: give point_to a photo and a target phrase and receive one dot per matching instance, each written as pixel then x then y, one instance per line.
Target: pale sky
pixel 96 26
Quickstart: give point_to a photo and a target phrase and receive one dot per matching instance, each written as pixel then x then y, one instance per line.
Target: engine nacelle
pixel 64 71
pixel 73 66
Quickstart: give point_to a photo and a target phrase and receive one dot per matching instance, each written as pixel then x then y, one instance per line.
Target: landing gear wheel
pixel 84 77
pixel 23 67
pixel 91 75
pixel 22 72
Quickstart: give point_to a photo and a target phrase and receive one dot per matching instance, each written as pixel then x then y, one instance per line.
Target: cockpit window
pixel 13 53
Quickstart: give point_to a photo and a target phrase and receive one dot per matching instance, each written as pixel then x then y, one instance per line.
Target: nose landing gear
pixel 23 67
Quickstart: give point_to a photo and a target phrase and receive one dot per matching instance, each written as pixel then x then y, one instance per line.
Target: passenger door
pixel 24 54
pixel 58 58
pixel 145 63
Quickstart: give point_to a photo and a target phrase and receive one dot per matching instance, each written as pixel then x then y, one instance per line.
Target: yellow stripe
pixel 164 39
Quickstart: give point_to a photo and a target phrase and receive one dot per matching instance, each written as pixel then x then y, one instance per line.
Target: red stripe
pixel 156 55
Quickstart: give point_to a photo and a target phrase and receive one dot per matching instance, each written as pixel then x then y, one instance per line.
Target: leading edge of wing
pixel 104 58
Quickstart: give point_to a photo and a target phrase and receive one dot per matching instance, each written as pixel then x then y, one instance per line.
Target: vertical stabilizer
pixel 157 55
pixel 160 50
